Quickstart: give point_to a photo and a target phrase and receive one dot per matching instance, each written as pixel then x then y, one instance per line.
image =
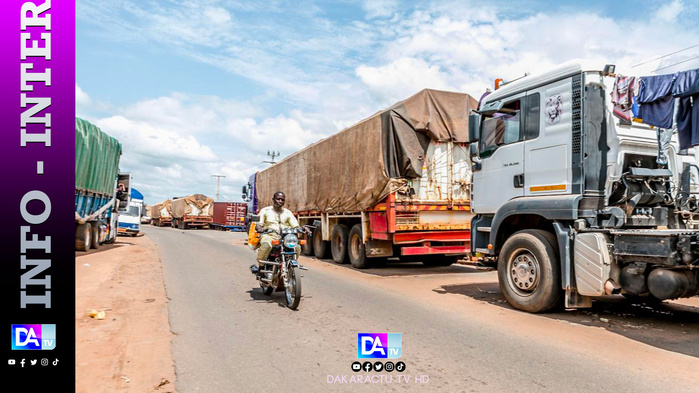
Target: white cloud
pixel 379 8
pixel 670 11
pixel 147 141
pixel 81 98
pixel 402 78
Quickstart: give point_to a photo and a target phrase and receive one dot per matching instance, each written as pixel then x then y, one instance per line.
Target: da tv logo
pixel 36 337
pixel 379 345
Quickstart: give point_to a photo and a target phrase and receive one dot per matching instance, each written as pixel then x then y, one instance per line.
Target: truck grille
pixel 577 116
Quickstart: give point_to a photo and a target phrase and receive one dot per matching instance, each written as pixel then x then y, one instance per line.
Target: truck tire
pixel 307 249
pixel 95 235
pixel 338 243
pixel 440 260
pixel 529 271
pixel 355 250
pixel 321 248
pixel 82 236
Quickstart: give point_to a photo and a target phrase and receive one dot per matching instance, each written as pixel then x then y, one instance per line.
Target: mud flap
pixel 576 300
pixel 378 248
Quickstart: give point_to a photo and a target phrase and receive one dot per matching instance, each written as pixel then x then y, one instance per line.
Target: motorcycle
pixel 281 269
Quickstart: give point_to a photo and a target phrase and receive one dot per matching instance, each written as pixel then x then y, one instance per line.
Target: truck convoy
pixel 566 200
pixel 395 184
pixel 130 215
pixel 96 172
pixel 570 201
pixel 192 211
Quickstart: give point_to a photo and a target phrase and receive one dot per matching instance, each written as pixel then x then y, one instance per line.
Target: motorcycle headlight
pixel 291 240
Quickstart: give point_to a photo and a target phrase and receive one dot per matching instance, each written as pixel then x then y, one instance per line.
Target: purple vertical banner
pixel 37 160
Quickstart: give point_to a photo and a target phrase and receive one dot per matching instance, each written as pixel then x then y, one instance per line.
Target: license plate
pixel 121 230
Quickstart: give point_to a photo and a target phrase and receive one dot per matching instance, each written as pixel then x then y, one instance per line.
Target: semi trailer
pixel 96 174
pixel 396 184
pixel 192 211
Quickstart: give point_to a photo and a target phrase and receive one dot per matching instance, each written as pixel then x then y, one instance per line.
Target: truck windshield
pixel 500 129
pixel 131 211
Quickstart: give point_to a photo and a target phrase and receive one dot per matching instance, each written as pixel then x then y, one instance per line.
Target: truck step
pixel 483 229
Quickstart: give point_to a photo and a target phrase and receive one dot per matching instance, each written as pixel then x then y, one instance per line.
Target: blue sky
pixel 196 88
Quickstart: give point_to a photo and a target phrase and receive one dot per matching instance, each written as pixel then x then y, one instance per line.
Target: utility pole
pixel 218 186
pixel 272 154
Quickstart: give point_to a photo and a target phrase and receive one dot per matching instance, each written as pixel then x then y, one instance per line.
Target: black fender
pixel 550 207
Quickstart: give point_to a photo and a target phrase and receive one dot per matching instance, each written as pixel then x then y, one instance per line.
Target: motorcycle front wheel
pixel 293 289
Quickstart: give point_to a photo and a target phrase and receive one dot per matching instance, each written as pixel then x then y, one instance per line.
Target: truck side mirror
pixel 474 127
pixel 473 150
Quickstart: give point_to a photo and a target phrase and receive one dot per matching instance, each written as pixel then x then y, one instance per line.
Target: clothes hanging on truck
pixel 656 101
pixel 622 96
pixel 688 122
pixel 686 89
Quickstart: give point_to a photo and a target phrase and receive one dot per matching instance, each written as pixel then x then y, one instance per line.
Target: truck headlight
pixel 291 240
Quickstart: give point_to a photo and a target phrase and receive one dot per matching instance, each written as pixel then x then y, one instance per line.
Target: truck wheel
pixel 440 260
pixel 321 247
pixel 356 251
pixel 307 249
pixel 82 236
pixel 95 235
pixel 338 243
pixel 529 271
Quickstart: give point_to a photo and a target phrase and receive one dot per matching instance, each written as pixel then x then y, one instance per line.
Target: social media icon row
pixel 32 362
pixel 378 367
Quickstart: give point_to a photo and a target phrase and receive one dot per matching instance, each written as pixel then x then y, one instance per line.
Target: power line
pixel 672 65
pixel 669 54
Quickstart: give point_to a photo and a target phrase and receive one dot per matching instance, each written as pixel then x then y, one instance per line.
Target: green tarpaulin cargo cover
pixel 357 167
pixel 96 159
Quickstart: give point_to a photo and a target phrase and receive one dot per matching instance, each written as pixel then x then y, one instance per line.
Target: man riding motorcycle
pixel 276 218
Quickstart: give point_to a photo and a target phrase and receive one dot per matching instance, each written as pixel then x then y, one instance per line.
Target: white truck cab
pixel 130 213
pixel 571 201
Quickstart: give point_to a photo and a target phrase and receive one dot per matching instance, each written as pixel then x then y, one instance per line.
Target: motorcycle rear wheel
pixel 293 289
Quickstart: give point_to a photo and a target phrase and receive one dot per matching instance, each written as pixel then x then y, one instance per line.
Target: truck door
pixel 501 152
pixel 548 121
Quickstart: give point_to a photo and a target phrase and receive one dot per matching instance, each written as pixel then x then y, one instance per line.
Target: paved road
pixel 458 334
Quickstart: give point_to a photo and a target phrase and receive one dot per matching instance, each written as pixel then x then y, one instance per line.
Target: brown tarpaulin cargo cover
pixel 354 169
pixel 157 208
pixel 195 204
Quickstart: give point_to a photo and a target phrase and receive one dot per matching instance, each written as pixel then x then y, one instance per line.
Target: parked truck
pixel 570 201
pixel 397 184
pixel 229 216
pixel 130 214
pixel 161 213
pixel 96 174
pixel 192 211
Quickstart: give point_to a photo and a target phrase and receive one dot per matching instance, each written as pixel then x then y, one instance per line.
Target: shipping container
pixel 229 216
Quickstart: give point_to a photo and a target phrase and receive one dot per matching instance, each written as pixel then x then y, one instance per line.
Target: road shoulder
pixel 130 349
